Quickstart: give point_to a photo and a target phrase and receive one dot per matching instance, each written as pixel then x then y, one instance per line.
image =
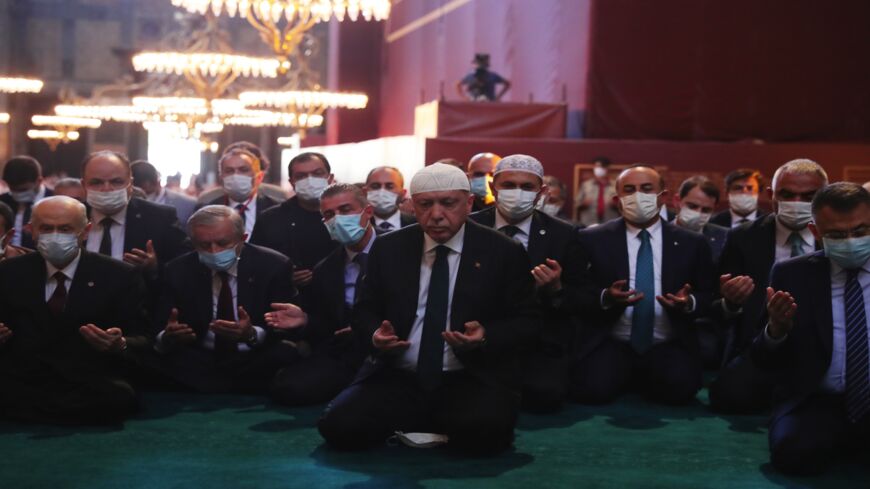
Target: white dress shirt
pixel 250 213
pixel 95 236
pixel 525 227
pixel 69 271
pixel 395 221
pixel 835 378
pixel 408 360
pixel 19 216
pixel 209 339
pixel 662 329
pixel 158 198
pixel 783 248
pixel 352 270
pixel 736 218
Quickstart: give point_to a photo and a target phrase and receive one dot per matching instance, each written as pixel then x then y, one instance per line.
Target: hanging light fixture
pixel 4 117
pixel 20 85
pixel 282 24
pixel 63 129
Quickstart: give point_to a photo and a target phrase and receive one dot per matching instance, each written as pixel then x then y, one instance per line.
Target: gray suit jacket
pixel 184 206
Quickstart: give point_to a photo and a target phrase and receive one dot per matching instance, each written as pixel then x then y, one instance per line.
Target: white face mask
pixel 310 188
pixel 743 204
pixel 58 248
pixel 24 197
pixel 551 209
pixel 599 172
pixel 794 215
pixel 693 220
pixel 384 201
pixel 640 208
pixel 238 187
pixel 515 203
pixel 108 203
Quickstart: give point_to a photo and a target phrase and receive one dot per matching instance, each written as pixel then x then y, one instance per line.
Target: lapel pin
pixel 292 223
pixel 477 264
pixel 90 284
pixel 676 244
pixel 251 280
pixel 542 232
pixel 138 216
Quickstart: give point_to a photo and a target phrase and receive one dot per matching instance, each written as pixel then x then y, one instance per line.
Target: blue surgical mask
pixel 220 261
pixel 58 248
pixel 24 196
pixel 480 186
pixel 849 252
pixel 345 228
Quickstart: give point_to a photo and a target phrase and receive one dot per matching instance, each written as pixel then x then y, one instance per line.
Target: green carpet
pixel 185 441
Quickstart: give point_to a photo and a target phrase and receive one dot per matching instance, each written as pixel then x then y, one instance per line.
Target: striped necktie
pixel 857 367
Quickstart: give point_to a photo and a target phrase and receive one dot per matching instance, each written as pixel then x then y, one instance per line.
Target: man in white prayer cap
pixel 553 249
pixel 445 307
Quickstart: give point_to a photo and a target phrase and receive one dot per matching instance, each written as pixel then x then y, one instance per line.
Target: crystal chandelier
pixel 20 85
pixel 297 17
pixel 63 129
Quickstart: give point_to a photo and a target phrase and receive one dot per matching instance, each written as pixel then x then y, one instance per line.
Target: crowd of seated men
pixel 446 304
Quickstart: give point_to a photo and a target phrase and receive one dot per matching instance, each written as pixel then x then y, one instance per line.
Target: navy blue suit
pixel 807 426
pixel 670 371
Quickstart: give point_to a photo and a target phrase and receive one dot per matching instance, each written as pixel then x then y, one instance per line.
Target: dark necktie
pixel 430 361
pixel 384 227
pixel 510 230
pixel 57 301
pixel 599 209
pixel 242 209
pixel 857 373
pixel 106 243
pixel 361 259
pixel 643 316
pixel 744 220
pixel 226 312
pixel 796 243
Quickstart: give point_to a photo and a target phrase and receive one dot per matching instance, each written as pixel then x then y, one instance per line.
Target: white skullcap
pixel 523 163
pixel 439 178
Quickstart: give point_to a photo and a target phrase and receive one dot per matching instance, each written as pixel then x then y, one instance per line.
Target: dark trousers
pixel 53 398
pixel 313 380
pixel 741 388
pixel 545 383
pixel 244 372
pixel 666 373
pixel 477 417
pixel 806 440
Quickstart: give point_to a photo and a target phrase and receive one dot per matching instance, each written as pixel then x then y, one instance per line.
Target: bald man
pixel 68 318
pixel 648 280
pixel 385 189
pixel 480 169
pixel 443 348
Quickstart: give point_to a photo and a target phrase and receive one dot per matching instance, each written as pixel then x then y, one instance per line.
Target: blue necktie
pixel 796 243
pixel 430 361
pixel 643 316
pixel 857 368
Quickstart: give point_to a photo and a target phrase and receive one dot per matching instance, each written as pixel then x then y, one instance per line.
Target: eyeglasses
pixel 858 232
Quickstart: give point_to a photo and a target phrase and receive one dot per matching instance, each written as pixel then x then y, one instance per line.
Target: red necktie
pixel 57 301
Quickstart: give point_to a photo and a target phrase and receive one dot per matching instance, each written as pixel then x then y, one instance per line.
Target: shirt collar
pixel 232 272
pixel 654 230
pixel 120 217
pixel 454 243
pixel 782 234
pixel 395 219
pixel 40 193
pixel 525 226
pixel 69 270
pixel 836 269
pixel 352 254
pixel 249 204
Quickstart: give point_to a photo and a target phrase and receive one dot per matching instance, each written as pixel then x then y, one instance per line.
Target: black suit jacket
pixel 264 203
pixel 749 250
pixel 553 238
pixel 26 238
pixel 103 292
pixel 264 277
pixel 157 222
pixel 716 236
pixel 505 306
pixel 295 232
pixel 405 220
pixel 803 359
pixel 723 218
pixel 686 258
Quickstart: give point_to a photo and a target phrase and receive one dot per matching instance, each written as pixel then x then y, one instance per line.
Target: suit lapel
pixel 203 300
pixel 246 281
pixel 768 244
pixel 620 248
pixel 822 302
pixel 335 271
pixel 538 241
pixel 134 228
pixel 670 252
pixel 411 260
pixel 466 278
